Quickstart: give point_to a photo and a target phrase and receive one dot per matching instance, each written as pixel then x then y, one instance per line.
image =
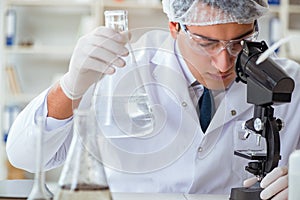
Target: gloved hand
pixel 94 55
pixel 274 183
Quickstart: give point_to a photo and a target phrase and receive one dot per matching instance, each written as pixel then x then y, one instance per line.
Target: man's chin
pixel 219 85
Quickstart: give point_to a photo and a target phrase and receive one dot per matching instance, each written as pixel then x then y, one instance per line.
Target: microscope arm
pixel 264 124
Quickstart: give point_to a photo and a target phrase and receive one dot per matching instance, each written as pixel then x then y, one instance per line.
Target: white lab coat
pixel 178 157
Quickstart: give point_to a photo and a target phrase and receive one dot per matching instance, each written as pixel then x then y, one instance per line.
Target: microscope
pixel 267 84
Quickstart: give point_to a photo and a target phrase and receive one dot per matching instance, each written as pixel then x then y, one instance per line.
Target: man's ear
pixel 174 29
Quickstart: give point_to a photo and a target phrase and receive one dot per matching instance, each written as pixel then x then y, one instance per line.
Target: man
pixel 179 154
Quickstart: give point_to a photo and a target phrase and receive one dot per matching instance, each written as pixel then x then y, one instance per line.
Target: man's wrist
pixel 60 106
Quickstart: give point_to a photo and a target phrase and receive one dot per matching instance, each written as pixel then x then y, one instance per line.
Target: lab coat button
pixel 200 149
pixel 184 104
pixel 233 112
pixel 154 76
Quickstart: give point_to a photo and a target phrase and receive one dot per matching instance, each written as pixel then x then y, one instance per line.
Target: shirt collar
pixel 186 71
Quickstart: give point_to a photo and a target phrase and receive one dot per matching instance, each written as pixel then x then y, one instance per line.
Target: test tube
pixel 116 19
pixel 139 119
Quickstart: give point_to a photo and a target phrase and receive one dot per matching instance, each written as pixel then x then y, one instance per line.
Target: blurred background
pixel 37 38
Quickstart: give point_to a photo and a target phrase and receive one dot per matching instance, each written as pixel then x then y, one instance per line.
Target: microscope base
pixel 243 193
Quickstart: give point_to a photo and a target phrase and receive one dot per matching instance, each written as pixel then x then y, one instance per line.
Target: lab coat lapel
pixel 233 104
pixel 169 74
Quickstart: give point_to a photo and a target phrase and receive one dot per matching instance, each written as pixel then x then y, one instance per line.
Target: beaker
pixel 128 109
pixel 83 175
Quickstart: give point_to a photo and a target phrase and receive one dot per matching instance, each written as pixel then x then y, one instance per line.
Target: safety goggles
pixel 211 47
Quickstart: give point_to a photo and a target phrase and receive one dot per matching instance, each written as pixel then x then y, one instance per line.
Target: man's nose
pixel 223 61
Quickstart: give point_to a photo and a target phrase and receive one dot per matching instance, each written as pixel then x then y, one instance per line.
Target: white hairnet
pixel 209 12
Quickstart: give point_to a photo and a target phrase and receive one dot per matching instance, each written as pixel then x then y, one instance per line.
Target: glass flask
pixel 39 190
pixel 128 109
pixel 83 175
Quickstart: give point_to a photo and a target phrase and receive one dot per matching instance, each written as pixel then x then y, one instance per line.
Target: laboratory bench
pixel 19 189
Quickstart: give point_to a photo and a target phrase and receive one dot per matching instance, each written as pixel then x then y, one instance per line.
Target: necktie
pixel 206 106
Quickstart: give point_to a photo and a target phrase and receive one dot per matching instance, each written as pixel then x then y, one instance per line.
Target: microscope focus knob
pixel 280 124
pixel 254 168
pixel 258 124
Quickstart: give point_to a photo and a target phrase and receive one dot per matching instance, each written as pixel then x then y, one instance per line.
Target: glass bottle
pixel 10 27
pixel 129 109
pixel 83 175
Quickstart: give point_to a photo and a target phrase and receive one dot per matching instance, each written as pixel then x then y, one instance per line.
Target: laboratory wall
pixel 37 39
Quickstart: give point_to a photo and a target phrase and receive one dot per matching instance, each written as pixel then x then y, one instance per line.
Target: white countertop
pixel 157 196
pixel 163 196
pixel 21 188
pixel 205 197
